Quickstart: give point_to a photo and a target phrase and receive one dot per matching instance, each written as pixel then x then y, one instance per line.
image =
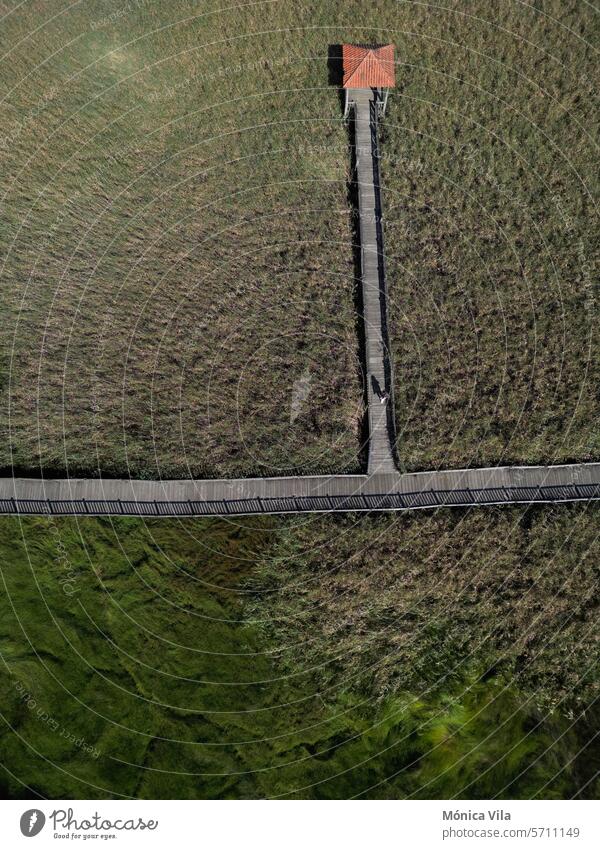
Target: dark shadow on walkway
pixel 383 298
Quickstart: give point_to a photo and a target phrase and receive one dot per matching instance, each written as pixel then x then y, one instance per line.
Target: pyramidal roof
pixel 368 66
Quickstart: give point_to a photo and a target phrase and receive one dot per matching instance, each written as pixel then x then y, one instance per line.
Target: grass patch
pixel 201 659
pixel 177 247
pixel 405 602
pixel 179 273
pixel 490 188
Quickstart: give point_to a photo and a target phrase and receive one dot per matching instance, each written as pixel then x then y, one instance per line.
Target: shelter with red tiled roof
pixel 368 66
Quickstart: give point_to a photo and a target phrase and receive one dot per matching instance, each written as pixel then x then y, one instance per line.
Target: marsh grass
pixel 177 244
pixel 177 251
pixel 490 189
pixel 166 668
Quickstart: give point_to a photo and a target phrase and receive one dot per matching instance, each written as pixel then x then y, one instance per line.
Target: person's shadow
pixel 376 387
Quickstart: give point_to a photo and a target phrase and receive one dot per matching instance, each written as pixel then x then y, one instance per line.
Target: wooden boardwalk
pixel 319 494
pixel 378 373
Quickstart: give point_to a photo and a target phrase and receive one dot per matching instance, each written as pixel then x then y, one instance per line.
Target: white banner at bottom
pixel 296 824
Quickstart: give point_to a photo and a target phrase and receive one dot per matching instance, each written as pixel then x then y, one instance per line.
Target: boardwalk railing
pixel 424 499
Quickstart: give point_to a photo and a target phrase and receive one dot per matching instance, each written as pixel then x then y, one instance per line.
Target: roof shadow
pixel 334 65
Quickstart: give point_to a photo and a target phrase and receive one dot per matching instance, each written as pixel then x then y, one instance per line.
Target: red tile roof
pixel 368 65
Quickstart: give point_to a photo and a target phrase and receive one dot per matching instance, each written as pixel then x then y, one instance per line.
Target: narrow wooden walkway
pixel 378 376
pixel 383 491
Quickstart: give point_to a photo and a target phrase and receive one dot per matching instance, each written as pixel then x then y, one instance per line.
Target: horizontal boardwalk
pixel 320 494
